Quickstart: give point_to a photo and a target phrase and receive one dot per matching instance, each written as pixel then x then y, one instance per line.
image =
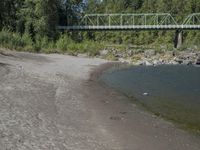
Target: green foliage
pixel 42 44
pixel 8 14
pixel 111 57
pixel 32 24
pixel 66 45
pixel 63 43
pixel 39 17
pixel 179 9
pixel 11 40
pixel 90 47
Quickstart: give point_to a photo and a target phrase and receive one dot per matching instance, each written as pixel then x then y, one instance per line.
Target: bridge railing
pixel 128 19
pixel 193 19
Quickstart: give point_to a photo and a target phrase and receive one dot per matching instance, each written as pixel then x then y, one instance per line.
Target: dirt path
pixel 47 102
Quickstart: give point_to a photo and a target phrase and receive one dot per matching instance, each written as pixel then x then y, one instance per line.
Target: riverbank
pixel 152 57
pixel 54 102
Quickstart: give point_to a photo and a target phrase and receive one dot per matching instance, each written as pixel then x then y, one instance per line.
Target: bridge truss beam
pixel 193 19
pixel 127 19
pixel 150 21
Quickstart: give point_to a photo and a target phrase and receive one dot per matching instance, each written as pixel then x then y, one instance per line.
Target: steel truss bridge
pixel 149 21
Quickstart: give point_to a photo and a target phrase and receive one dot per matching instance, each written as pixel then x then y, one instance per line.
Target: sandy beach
pixel 54 102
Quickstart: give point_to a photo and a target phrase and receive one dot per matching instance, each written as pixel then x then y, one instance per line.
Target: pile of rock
pixel 152 57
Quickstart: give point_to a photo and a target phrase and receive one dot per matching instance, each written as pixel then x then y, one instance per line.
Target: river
pixel 171 92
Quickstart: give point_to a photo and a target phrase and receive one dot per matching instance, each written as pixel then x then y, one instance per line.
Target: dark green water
pixel 173 91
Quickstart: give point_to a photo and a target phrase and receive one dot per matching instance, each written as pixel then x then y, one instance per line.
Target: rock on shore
pixel 152 57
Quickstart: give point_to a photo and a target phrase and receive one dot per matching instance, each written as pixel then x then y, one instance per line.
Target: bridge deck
pixel 132 27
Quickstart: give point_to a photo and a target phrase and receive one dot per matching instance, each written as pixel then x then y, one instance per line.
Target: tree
pixel 9 9
pixel 39 17
pixel 2 13
pixel 70 11
pixel 194 6
pixel 46 12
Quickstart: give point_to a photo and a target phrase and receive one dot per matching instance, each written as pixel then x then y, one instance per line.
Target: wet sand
pixel 56 102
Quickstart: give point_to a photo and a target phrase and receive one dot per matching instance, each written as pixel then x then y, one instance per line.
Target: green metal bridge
pixel 149 21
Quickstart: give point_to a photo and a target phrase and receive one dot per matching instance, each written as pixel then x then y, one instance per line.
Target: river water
pixel 172 92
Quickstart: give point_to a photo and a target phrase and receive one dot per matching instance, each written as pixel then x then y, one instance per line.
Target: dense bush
pixel 12 40
pixel 64 44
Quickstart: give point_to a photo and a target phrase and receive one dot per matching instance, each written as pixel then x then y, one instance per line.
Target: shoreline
pixel 59 98
pixel 151 57
pixel 144 114
pixel 148 57
pixel 114 66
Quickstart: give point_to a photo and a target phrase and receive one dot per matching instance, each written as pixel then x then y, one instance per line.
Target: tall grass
pixel 67 45
pixel 64 44
pixel 11 40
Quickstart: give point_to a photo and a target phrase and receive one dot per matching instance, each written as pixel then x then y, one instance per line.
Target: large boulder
pixel 157 62
pixel 147 63
pixel 173 62
pixel 149 53
pixel 171 53
pixel 187 55
pixel 178 60
pixel 140 63
pixel 130 53
pixel 198 61
pixel 187 62
pixel 104 52
pixel 198 54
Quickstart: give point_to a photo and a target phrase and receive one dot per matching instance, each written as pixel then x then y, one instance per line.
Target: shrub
pixel 11 40
pixel 28 43
pixel 91 47
pixel 66 44
pixel 63 42
pixel 16 41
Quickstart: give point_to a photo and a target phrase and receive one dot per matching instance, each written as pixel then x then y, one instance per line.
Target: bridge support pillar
pixel 178 41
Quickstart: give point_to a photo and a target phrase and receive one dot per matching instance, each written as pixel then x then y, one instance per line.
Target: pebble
pixel 145 94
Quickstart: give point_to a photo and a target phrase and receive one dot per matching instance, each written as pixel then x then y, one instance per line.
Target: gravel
pixel 48 102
